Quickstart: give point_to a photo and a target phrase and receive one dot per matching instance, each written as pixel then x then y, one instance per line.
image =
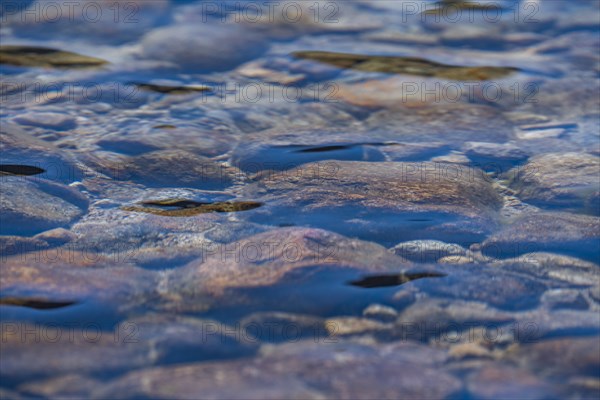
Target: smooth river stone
pixel 305 370
pixel 46 351
pixel 491 287
pixel 48 120
pixel 265 259
pixel 66 275
pixel 498 381
pixel 168 168
pixel 553 266
pixel 12 245
pixel 65 386
pixel 18 147
pixel 204 47
pixel 452 123
pixel 494 157
pixel 427 250
pixel 568 181
pixel 578 368
pixel 148 240
pixel 304 145
pixel 192 139
pixel 31 205
pixel 387 202
pixel 258 157
pixel 135 343
pixel 575 235
pixel 290 19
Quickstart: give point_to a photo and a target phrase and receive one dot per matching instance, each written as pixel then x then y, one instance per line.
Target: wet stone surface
pixel 47 120
pixel 561 180
pixel 566 233
pixel 18 147
pixel 30 206
pixel 427 250
pixel 176 47
pixel 169 169
pixel 345 370
pixel 385 202
pixel 279 256
pixel 299 200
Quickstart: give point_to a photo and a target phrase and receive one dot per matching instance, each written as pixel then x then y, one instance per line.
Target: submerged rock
pixel 48 120
pixel 484 287
pixel 17 147
pixel 578 358
pixel 554 266
pixel 13 245
pixel 427 250
pixel 508 382
pixel 414 151
pixel 304 370
pixel 406 65
pixel 30 206
pixel 386 202
pixel 73 385
pixel 167 137
pixel 30 56
pixel 265 259
pixel 74 350
pixel 289 19
pixel 204 47
pixel 350 326
pixel 179 339
pixel 281 327
pixel 565 180
pixel 575 235
pixel 448 124
pixel 65 275
pixel 233 231
pixel 258 157
pixel 494 157
pixel 149 240
pixel 169 168
pixel 88 349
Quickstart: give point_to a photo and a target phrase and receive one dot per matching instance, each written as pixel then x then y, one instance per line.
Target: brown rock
pixel 574 235
pixel 170 168
pixel 578 356
pixel 387 202
pixel 30 205
pixel 19 148
pixel 566 180
pixel 304 370
pixel 63 275
pixel 264 259
pixel 494 382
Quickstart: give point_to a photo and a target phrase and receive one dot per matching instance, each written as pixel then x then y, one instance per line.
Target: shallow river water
pixel 300 199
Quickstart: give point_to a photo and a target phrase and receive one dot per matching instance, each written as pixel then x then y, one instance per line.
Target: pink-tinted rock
pixel 301 370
